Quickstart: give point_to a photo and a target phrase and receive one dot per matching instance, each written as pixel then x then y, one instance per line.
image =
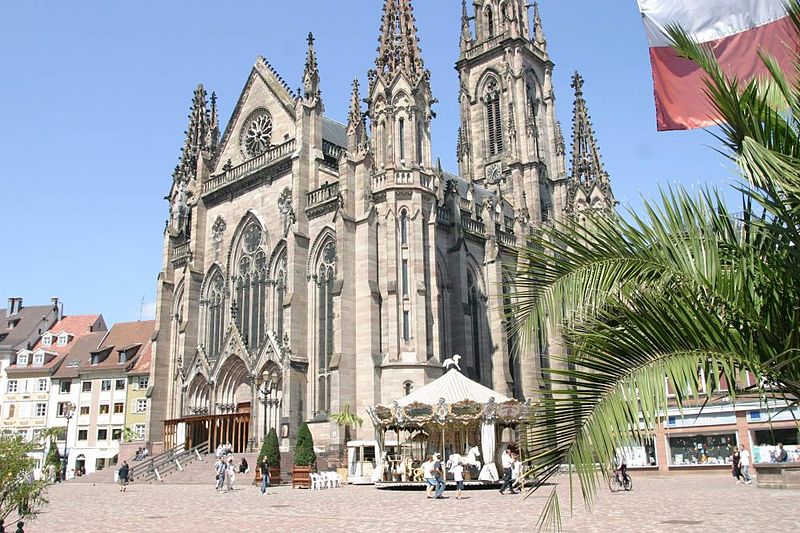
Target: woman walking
pixel 231 474
pixel 736 470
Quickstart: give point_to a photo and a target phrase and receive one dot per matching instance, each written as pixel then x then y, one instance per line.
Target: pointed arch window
pixel 442 305
pixel 280 294
pixel 215 307
pixel 326 276
pixel 403 227
pixel 494 120
pixel 250 286
pixel 475 322
pixel 489 23
pixel 401 138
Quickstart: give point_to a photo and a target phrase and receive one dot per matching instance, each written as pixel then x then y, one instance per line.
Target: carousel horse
pixel 472 457
pixel 450 362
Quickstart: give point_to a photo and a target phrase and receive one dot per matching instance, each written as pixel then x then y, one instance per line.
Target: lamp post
pixel 69 410
pixel 270 389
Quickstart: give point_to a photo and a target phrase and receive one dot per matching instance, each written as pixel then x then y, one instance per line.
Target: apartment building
pixel 98 377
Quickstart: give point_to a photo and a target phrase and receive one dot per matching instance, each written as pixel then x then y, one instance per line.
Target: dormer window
pixel 47 340
pixel 95 358
pixel 63 339
pixel 38 359
pixel 22 359
pixel 123 356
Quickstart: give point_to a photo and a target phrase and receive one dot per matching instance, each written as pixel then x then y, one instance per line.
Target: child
pixel 458 475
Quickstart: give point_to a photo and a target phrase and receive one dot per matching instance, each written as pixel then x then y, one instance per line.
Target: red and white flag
pixel 736 30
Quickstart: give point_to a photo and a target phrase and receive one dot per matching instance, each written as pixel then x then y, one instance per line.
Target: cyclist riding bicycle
pixel 621 468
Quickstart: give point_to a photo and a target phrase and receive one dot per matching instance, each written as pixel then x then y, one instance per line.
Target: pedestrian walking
pixel 427 473
pixel 264 466
pixel 123 472
pixel 745 463
pixel 231 471
pixel 458 476
pixel 220 468
pixel 438 476
pixel 736 467
pixel 508 468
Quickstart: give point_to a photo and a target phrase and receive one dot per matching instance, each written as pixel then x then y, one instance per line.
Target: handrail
pixel 174 458
pixel 323 194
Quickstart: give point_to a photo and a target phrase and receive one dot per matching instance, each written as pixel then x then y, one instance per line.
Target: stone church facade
pixel 309 265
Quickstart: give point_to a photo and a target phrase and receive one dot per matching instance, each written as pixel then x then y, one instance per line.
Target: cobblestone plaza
pixel 663 504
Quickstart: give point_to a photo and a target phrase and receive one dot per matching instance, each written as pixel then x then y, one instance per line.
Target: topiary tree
pixel 304 447
pixel 271 449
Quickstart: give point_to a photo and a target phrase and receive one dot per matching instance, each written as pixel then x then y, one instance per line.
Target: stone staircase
pixel 202 472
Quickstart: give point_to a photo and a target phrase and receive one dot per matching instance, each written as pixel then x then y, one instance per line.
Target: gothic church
pixel 309 265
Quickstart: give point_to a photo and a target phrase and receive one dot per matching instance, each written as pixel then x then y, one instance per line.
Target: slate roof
pixel 334 131
pixel 29 320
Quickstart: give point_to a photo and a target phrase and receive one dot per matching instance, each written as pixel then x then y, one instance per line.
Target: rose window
pixel 257 134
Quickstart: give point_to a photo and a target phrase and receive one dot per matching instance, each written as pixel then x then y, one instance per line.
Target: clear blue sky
pixel 94 97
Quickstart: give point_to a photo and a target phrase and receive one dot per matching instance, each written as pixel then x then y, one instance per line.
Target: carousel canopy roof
pixel 453 387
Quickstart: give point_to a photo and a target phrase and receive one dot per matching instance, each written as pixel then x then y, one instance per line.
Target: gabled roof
pixel 453 387
pixel 76 325
pixel 123 336
pixel 29 318
pixel 79 355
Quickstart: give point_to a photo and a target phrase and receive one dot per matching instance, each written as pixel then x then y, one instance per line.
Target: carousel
pixel 454 416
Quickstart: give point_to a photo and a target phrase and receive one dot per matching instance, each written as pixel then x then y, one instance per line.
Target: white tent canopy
pixel 453 387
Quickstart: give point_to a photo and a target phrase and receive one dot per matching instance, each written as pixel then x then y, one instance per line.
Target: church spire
pixel 398 45
pixel 356 131
pixel 466 33
pixel 587 166
pixel 311 89
pixel 212 136
pixel 538 31
pixel 196 136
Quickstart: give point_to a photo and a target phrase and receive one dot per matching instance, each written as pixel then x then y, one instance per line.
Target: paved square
pixel 663 504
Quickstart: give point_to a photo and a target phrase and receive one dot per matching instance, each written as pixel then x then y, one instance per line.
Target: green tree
pixel 348 420
pixel 270 449
pixel 688 285
pixel 304 447
pixel 19 492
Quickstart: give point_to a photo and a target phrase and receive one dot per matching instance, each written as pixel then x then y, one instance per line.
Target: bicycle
pixel 617 480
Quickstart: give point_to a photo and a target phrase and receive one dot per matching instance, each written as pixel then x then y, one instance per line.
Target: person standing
pixel 439 477
pixel 427 473
pixel 508 466
pixel 124 470
pixel 781 456
pixel 264 467
pixel 744 461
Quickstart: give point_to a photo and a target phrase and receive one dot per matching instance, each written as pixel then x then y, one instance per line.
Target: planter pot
pixel 301 477
pixel 342 471
pixel 274 476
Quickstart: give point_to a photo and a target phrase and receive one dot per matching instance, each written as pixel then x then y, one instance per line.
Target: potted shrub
pixel 346 419
pixel 271 450
pixel 304 458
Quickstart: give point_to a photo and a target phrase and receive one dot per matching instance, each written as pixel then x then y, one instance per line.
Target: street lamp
pixel 267 393
pixel 69 410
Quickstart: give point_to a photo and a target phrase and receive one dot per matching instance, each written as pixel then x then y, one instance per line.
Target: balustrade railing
pixel 476 227
pixel 443 214
pixel 506 237
pixel 257 163
pixel 181 252
pixel 465 205
pixel 323 194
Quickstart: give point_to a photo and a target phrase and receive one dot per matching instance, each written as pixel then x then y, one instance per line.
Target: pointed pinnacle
pixel 538 31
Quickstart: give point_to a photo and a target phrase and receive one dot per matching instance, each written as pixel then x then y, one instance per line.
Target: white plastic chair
pixel 336 479
pixel 327 480
pixel 317 482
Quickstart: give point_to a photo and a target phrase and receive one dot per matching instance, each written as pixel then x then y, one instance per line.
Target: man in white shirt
pixel 508 467
pixel 744 462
